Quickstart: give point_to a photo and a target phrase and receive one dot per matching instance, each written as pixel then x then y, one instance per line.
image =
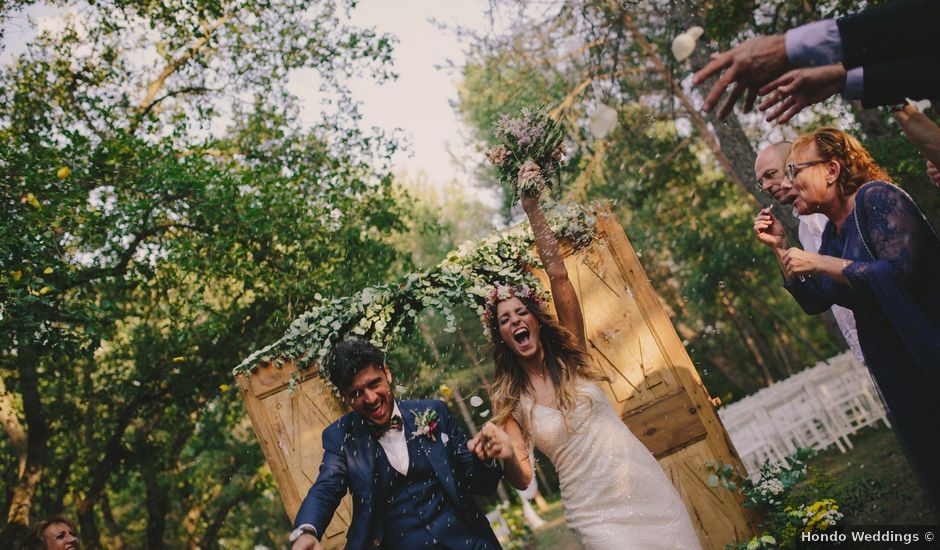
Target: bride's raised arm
pixel 566 301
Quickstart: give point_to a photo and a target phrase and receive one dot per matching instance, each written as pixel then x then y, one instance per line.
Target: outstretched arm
pixel 566 300
pixel 923 133
pixel 324 496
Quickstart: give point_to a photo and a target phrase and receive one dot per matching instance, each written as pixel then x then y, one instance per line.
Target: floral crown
pixel 499 293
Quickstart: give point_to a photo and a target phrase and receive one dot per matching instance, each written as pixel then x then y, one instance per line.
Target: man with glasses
pixel 406 464
pixel 774 175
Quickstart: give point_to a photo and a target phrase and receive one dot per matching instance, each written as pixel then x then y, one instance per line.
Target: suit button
pixel 376 542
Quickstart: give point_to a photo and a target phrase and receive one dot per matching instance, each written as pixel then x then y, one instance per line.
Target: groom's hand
pixel 306 542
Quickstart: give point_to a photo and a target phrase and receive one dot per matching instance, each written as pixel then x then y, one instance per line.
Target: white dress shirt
pixel 810 231
pixel 395 446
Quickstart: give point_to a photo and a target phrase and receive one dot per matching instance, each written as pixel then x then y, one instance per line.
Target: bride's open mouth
pixel 523 337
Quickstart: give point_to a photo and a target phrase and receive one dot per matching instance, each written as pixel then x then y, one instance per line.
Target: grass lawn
pixel 875 481
pixel 872 481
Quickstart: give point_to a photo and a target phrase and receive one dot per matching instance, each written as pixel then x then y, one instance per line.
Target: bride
pixel 545 394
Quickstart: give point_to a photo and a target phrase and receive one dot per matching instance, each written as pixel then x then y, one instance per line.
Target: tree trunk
pixel 747 339
pixel 211 536
pixel 13 428
pixel 18 516
pixel 733 149
pixel 157 505
pixel 114 530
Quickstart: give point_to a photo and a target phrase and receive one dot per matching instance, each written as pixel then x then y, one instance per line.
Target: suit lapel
pixel 364 449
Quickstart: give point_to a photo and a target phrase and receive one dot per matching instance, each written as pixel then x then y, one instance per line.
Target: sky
pixel 417 102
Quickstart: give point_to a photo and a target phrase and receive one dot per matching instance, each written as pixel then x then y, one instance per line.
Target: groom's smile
pixel 370 394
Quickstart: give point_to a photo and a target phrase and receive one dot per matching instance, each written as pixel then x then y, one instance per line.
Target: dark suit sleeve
pixel 890 32
pixel 483 477
pixel 329 488
pixel 889 83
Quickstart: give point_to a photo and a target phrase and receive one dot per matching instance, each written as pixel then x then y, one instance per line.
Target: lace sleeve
pixel 894 234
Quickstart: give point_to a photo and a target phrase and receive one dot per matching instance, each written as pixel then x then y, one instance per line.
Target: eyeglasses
pixel 793 169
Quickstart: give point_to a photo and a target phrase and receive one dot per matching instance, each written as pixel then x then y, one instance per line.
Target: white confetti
pixel 603 121
pixel 684 44
pixel 476 401
pixel 485 413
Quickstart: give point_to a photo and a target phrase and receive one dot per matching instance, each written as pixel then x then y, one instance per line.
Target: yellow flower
pixel 44 290
pixel 445 391
pixel 223 388
pixel 63 172
pixel 47 271
pixel 179 359
pixel 16 275
pixel 32 200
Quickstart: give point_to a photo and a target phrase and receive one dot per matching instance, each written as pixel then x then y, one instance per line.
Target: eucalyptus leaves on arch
pixel 383 313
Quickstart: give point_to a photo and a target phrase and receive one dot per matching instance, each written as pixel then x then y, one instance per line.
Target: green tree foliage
pixel 164 215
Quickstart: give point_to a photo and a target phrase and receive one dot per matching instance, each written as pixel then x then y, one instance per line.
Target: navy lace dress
pixel 894 292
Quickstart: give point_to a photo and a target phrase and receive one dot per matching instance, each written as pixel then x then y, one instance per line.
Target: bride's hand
pixel 496 443
pixel 529 203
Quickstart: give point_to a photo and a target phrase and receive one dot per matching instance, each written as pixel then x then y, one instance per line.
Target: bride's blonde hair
pixel 564 359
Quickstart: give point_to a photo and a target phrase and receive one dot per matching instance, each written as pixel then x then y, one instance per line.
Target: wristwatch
pixel 300 530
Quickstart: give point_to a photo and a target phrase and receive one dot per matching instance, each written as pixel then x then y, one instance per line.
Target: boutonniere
pixel 426 424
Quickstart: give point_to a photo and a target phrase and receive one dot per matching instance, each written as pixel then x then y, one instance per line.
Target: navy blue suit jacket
pixel 349 453
pixel 896 43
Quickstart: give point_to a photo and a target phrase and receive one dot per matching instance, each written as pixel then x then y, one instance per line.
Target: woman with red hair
pixel 881 259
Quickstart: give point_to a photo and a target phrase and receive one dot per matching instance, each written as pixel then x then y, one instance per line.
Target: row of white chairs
pixel 818 407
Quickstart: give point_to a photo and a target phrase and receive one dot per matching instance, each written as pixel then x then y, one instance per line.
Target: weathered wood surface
pixel 653 385
pixel 289 429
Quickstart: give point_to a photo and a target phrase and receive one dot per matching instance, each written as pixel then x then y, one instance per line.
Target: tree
pixel 165 214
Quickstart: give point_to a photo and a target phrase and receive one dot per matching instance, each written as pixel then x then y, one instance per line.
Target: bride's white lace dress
pixel 616 496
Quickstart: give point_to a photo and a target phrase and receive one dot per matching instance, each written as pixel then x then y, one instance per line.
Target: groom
pixel 410 472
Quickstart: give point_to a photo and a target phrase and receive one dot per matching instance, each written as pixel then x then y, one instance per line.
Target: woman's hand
pixel 769 230
pixel 800 262
pixel 529 203
pixel 492 442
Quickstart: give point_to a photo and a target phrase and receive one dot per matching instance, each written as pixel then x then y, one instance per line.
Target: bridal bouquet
pixel 530 151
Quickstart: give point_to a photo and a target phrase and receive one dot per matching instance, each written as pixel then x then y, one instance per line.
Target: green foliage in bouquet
pixel 786 512
pixel 529 153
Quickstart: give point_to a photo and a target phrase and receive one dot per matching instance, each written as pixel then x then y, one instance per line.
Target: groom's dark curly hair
pixel 350 357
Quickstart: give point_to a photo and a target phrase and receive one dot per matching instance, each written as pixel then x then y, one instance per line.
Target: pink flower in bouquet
pixel 497 155
pixel 530 176
pixel 559 153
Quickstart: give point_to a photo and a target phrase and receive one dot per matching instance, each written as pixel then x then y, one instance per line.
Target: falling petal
pixel 485 413
pixel 922 105
pixel 603 121
pixel 682 46
pixel 476 401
